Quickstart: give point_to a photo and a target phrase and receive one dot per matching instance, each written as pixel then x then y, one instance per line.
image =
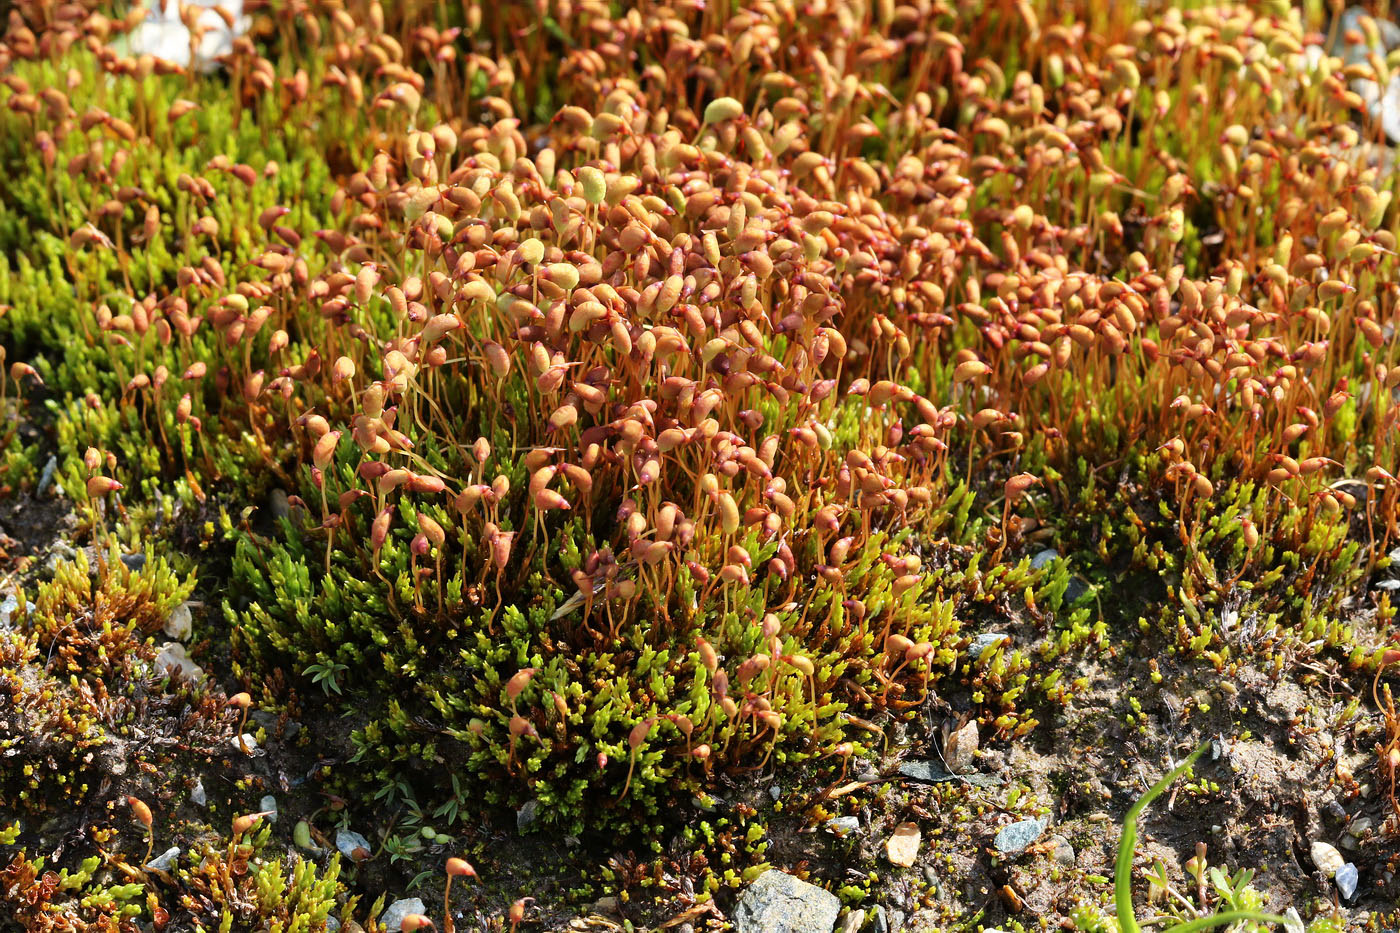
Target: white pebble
pixel 180 624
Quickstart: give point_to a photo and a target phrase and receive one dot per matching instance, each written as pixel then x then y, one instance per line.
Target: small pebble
pixel 246 744
pixel 1061 852
pixel 1044 557
pixel 197 795
pixel 165 860
pixel 843 825
pixel 526 815
pixel 134 562
pixel 854 921
pixel 880 923
pixel 180 624
pixel 349 843
pixel 175 663
pixel 775 792
pixel 1326 857
pixel 984 643
pixel 1346 879
pixel 1293 923
pixel 46 477
pixel 902 848
pixel 393 915
pixel 8 608
pixel 1013 839
pixel 269 805
pixel 961 747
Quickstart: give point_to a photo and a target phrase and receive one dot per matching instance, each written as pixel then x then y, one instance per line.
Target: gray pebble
pixel 46 477
pixel 776 902
pixel 165 860
pixel 527 815
pixel 348 842
pixel 393 915
pixel 1013 839
pixel 1346 879
pixel 984 643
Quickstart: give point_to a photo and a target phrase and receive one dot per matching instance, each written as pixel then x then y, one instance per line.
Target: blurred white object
pixel 164 35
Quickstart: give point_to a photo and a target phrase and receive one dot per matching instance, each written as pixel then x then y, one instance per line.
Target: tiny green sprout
pixel 1123 868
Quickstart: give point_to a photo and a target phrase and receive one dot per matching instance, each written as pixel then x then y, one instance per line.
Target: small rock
pixel 332 924
pixel 1013 839
pixel 843 825
pixel 393 915
pixel 165 860
pixel 46 477
pixel 269 806
pixel 180 624
pixel 607 906
pixel 527 815
pixel 349 843
pixel 174 662
pixel 902 848
pixel 134 562
pixel 1346 879
pixel 9 607
pixel 1061 852
pixel 245 744
pixel 896 921
pixel 197 795
pixel 984 643
pixel 777 902
pixel 164 35
pixel 775 792
pixel 1044 557
pixel 854 921
pixel 1292 923
pixel 1326 857
pixel 880 923
pixel 961 747
pixel 933 772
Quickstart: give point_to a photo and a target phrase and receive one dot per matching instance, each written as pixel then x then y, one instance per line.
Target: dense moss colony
pixel 589 408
